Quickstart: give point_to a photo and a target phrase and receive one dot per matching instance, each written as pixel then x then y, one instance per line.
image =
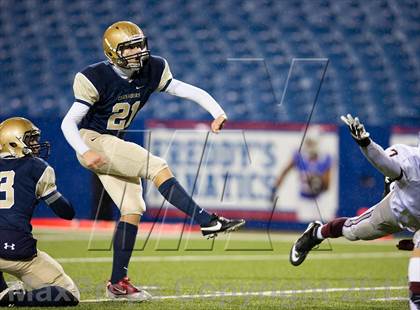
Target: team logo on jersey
pixel 8 246
pixel 129 96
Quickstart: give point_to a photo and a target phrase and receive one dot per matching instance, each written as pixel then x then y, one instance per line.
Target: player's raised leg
pixel 211 224
pixel 129 161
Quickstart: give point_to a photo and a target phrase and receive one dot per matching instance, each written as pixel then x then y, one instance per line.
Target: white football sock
pixel 414 269
pixel 319 234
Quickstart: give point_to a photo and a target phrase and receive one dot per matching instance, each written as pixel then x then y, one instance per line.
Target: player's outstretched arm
pixel 376 155
pixel 203 98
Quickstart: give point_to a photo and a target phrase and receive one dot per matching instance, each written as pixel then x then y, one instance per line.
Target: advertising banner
pixel 234 172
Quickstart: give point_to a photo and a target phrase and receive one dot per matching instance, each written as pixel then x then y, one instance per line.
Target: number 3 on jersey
pixel 7 192
pixel 122 116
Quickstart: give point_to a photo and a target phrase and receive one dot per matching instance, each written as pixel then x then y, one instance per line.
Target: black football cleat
pixel 304 244
pixel 220 224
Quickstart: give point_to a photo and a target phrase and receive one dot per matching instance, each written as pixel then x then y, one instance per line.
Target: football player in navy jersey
pixel 25 179
pixel 108 95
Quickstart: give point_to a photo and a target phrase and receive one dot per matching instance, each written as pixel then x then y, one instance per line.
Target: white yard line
pixel 152 288
pixel 265 293
pixel 235 257
pixel 390 299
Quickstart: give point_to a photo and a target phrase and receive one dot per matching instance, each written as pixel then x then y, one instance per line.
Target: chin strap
pixel 5 155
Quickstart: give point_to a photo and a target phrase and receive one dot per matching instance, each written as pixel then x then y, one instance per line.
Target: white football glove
pixel 357 130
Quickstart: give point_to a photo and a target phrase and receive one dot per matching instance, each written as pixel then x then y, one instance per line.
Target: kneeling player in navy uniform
pixel 25 179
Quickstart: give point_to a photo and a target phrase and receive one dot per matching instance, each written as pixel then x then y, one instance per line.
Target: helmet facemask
pixel 19 137
pixel 31 140
pixel 134 61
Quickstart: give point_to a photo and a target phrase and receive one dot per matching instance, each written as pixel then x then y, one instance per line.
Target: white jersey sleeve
pixel 85 94
pixel 385 161
pixel 70 130
pixel 198 95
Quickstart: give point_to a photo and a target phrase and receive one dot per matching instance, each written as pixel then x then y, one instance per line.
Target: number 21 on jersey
pixel 7 192
pixel 122 116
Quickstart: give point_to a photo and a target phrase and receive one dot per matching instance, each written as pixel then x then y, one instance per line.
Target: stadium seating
pixel 242 52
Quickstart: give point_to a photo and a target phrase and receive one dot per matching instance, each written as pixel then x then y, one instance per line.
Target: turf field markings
pixel 151 287
pixel 282 293
pixel 209 258
pixel 391 299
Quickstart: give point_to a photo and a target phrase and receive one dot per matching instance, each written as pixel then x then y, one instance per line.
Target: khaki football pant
pixel 127 162
pixel 374 223
pixel 39 272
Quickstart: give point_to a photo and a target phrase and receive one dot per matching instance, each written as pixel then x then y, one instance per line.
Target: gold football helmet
pixel 19 137
pixel 125 35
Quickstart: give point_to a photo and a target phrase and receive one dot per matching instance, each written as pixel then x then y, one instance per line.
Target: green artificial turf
pixel 246 272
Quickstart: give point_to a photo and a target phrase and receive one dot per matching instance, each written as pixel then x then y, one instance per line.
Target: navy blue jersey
pixel 113 100
pixel 23 181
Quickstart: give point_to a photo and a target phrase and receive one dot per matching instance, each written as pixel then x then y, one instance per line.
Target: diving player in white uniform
pixel 108 95
pixel 398 210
